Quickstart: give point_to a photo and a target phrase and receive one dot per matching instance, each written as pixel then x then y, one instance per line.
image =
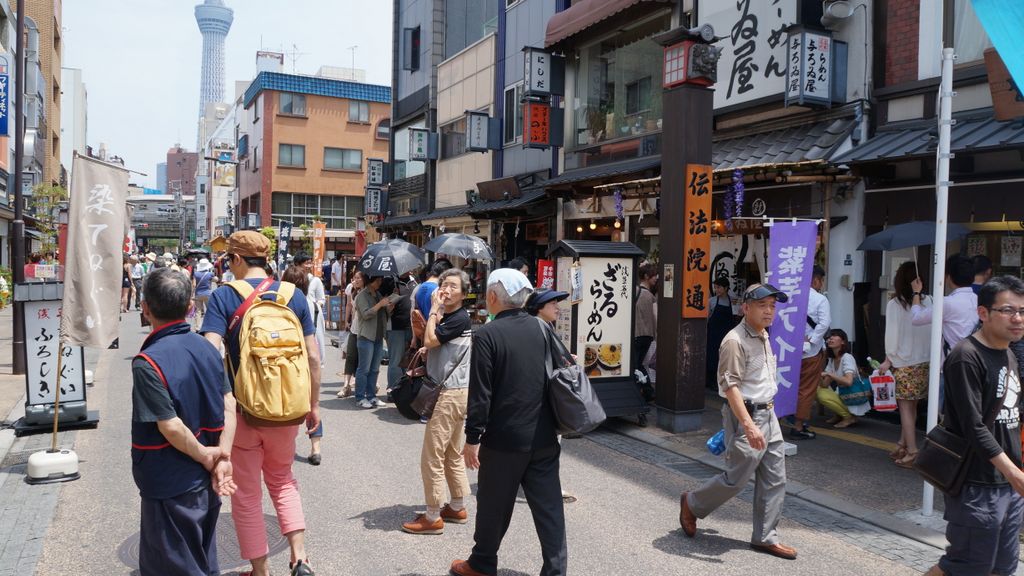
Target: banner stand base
pixel 52 466
pixel 23 428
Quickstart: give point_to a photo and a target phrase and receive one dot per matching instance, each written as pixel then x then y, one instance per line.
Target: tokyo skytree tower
pixel 214 19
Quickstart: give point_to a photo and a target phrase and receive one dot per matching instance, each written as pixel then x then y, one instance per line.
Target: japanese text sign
pixel 790 264
pixel 537 75
pixel 809 68
pixel 319 247
pixel 697 241
pixel 374 171
pixel 97 221
pixel 4 103
pixel 419 144
pixel 537 124
pixel 753 62
pixel 284 237
pixel 604 326
pixel 373 201
pixel 477 131
pixel 546 274
pixel 42 325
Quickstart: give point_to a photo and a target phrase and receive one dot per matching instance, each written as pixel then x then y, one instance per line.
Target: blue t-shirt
pixel 203 283
pixel 225 300
pixel 423 294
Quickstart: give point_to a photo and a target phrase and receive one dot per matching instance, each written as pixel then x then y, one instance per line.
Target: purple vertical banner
pixel 790 264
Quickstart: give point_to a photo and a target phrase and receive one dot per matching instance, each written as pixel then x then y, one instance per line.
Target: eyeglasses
pixel 1009 311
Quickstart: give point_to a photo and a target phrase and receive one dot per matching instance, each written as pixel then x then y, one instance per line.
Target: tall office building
pixel 214 19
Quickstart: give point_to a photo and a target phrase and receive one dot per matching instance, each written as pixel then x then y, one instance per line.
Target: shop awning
pixel 606 171
pixel 450 212
pixel 813 143
pixel 527 198
pixel 919 139
pixel 585 13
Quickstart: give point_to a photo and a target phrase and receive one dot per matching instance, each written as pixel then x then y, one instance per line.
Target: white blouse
pixel 905 344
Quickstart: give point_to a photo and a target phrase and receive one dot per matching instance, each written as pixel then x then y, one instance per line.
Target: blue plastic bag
pixel 716 444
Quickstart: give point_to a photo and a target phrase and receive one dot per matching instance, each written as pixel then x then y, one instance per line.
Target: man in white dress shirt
pixel 819 318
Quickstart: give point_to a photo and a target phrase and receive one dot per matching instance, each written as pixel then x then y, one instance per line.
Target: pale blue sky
pixel 140 61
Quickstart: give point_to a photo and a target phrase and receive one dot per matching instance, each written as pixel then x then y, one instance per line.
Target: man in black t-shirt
pixel 982 380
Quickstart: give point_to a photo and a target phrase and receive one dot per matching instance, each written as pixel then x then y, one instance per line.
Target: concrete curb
pixel 808 494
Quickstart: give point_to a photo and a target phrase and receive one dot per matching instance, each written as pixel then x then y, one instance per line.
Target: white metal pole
pixel 939 276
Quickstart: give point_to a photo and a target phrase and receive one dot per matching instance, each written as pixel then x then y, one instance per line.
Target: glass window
pixel 453 139
pixel 294 104
pixel 513 114
pixel 411 49
pixel 255 158
pixel 969 37
pixel 343 159
pixel 293 155
pixel 384 129
pixel 281 204
pixel 615 87
pixel 358 111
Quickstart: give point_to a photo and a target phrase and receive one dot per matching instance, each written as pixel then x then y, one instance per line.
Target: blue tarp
pixel 1003 21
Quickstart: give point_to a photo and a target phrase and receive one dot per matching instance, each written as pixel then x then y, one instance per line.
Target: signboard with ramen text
pixel 604 320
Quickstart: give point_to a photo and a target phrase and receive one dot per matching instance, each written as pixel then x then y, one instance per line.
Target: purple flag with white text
pixel 790 263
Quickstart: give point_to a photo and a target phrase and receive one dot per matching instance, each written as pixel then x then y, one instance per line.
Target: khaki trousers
pixel 441 460
pixel 810 378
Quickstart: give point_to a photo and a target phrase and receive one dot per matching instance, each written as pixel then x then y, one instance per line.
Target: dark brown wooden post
pixel 686 140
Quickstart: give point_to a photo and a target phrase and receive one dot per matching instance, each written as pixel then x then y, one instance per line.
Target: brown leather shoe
pixel 777 550
pixel 935 571
pixel 462 568
pixel 686 518
pixel 423 526
pixel 449 515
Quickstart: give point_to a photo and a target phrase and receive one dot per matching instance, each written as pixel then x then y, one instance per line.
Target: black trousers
pixel 501 474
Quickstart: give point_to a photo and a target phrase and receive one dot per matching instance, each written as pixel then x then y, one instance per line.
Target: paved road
pixel 624 522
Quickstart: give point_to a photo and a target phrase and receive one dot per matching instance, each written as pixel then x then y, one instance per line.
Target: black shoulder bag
pixel 574 402
pixel 944 457
pixel 430 390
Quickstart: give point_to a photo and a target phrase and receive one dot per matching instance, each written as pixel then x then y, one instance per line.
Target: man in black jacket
pixel 510 430
pixel 983 384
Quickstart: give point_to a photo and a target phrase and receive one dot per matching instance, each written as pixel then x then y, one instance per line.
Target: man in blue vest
pixel 183 425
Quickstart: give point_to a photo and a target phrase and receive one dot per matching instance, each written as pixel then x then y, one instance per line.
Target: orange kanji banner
pixel 319 248
pixel 697 241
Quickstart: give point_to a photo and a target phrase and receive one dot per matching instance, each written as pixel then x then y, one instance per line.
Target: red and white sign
pixel 883 391
pixel 546 274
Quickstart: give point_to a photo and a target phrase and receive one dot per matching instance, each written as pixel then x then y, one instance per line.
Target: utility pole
pixel 18 231
pixel 353 49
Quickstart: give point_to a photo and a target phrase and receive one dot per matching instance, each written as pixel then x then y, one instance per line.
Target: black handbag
pixel 945 456
pixel 574 402
pixel 430 390
pixel 408 386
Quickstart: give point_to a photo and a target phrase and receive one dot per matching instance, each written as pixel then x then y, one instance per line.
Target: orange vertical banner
pixel 319 247
pixel 697 241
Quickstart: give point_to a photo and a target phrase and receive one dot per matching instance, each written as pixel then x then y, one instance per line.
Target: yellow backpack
pixel 272 380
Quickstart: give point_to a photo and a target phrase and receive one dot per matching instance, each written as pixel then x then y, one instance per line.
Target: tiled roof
pixel 606 170
pixel 317 86
pixel 528 197
pixel 972 133
pixel 808 143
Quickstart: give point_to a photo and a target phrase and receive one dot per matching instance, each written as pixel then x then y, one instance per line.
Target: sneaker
pixel 364 403
pixel 424 419
pixel 804 434
pixel 449 515
pixel 376 403
pixel 300 568
pixel 423 526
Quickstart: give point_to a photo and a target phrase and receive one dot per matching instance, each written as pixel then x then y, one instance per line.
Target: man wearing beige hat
pixel 263 451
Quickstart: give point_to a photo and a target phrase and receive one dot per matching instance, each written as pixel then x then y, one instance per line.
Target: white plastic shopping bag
pixel 883 391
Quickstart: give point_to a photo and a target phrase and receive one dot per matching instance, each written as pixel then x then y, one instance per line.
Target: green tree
pixel 306 243
pixel 271 233
pixel 46 203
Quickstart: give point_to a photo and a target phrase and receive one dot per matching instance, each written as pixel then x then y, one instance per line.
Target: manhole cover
pixel 228 554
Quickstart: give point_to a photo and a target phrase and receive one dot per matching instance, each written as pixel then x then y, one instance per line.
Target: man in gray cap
pixel 747 379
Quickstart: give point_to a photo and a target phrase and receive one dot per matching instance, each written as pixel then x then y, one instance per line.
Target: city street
pixel 625 521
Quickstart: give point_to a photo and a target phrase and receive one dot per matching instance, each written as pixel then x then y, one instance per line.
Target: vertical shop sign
pixel 537 124
pixel 284 237
pixel 375 171
pixel 809 68
pixel 1009 256
pixel 319 247
pixel 697 241
pixel 790 263
pixel 4 101
pixel 477 131
pixel 42 326
pixel 546 274
pixel 604 323
pixel 419 144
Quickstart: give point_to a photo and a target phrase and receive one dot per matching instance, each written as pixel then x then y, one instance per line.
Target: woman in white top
pixel 906 353
pixel 840 371
pixel 317 298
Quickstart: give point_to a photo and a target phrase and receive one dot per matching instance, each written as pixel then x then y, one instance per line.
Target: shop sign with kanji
pixel 42 345
pixel 697 241
pixel 604 323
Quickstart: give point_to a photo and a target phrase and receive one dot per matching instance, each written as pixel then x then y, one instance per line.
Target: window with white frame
pixel 291 155
pixel 513 132
pixel 359 111
pixel 292 104
pixel 969 37
pixel 383 129
pixel 343 159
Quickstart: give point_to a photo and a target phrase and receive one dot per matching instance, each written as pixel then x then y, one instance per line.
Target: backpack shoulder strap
pixel 241 286
pixel 286 290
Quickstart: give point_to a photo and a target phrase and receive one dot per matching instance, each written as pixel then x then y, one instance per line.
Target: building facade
pixel 44 17
pixel 302 149
pixel 74 123
pixel 182 168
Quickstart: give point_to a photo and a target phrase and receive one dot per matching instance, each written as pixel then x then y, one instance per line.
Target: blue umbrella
pixel 910 234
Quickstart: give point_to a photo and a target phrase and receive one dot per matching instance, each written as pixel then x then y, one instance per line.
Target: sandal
pixel 907 461
pixel 899 453
pixel 834 420
pixel 845 422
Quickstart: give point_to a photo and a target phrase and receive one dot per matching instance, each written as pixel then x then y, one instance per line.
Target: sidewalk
pixel 12 388
pixel 844 470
